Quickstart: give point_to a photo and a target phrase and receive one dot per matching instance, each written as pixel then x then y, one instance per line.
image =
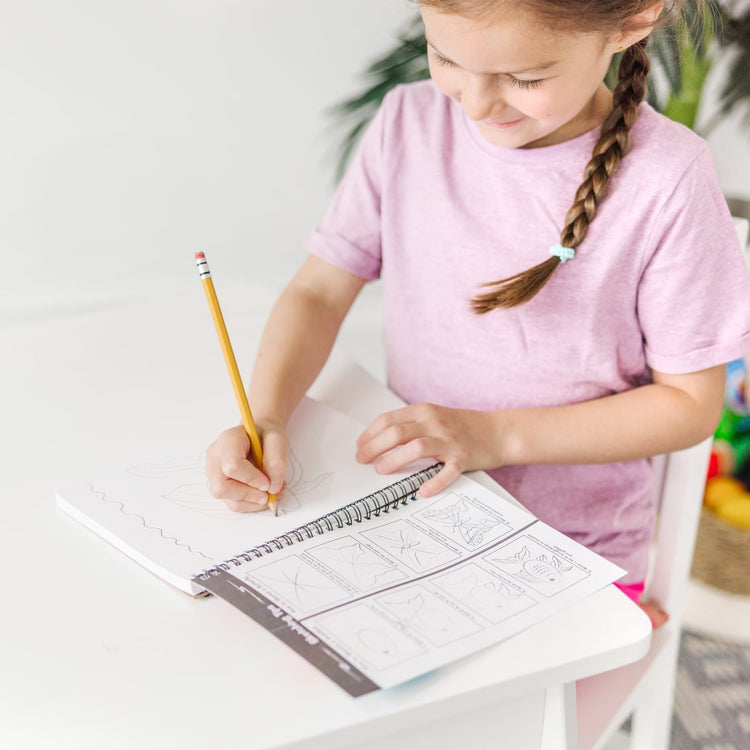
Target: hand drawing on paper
pixel 410 546
pixel 426 614
pixel 489 596
pixel 192 491
pixel 532 563
pixel 463 521
pixel 357 564
pixel 298 583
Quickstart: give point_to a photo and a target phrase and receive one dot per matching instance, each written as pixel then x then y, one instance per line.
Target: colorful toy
pixel 729 468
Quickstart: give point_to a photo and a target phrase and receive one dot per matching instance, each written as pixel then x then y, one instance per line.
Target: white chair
pixel 644 690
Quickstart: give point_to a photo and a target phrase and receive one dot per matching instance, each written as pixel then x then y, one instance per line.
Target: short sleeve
pixel 349 235
pixel 694 296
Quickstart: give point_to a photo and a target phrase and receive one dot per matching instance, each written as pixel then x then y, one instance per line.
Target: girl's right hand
pixel 234 479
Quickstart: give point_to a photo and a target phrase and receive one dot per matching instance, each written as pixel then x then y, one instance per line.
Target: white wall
pixel 135 132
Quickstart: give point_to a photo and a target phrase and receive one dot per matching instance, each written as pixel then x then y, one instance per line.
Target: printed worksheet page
pixel 376 603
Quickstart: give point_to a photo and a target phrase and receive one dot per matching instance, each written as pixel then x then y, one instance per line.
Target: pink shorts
pixel 632 590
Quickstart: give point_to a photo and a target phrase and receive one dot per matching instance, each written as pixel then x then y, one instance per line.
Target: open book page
pixel 376 603
pixel 162 514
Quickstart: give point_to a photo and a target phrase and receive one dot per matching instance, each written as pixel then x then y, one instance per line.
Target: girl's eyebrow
pixel 531 69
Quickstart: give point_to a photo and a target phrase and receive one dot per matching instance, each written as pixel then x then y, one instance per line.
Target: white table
pixel 96 652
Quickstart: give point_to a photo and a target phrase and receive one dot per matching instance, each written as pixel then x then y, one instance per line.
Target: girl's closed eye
pixel 522 83
pixel 440 60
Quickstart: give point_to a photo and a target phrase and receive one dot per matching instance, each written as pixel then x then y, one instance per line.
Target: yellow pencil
pixel 234 373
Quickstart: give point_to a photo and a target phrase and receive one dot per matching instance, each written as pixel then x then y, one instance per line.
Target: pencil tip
pixel 274 507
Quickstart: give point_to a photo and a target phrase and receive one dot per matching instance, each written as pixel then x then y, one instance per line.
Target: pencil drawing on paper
pixel 537 566
pixel 297 582
pixel 356 563
pixel 463 521
pixel 367 637
pixel 409 545
pixel 424 613
pixel 103 497
pixel 490 596
pixel 191 488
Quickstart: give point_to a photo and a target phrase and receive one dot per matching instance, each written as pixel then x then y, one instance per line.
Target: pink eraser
pixel 200 255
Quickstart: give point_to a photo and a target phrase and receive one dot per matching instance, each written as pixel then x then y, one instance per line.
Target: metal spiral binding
pixel 384 500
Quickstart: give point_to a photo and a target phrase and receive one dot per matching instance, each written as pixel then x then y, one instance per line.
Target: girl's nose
pixel 480 98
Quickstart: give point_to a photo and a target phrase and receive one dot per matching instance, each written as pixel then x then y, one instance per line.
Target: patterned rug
pixel 712 696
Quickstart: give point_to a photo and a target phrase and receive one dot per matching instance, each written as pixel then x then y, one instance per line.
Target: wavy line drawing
pixel 121 507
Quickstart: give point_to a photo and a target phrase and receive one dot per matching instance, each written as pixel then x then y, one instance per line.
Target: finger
pixel 240 506
pixel 445 477
pixel 230 490
pixel 391 437
pixel 385 420
pixel 404 455
pixel 244 471
pixel 275 453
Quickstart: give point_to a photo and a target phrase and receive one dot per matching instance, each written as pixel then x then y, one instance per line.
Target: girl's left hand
pixel 461 438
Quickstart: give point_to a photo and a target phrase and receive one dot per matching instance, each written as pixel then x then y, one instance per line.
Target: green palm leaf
pixel 684 55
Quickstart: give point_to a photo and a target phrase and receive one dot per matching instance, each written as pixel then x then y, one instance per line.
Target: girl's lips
pixel 500 125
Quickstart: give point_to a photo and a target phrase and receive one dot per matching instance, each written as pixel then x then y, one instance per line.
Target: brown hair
pixel 605 16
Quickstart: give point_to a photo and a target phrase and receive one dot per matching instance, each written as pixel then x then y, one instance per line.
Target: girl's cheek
pixel 446 81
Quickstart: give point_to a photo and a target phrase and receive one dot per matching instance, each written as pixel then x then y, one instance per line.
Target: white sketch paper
pixel 162 514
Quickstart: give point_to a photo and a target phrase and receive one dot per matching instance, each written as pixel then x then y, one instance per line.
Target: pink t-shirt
pixel 659 282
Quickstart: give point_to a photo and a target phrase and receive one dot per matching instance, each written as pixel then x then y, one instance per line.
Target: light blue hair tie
pixel 563 253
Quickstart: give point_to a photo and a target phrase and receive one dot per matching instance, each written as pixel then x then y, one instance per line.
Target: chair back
pixel 680 479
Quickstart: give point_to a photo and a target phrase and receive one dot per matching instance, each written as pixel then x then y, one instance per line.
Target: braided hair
pixel 608 152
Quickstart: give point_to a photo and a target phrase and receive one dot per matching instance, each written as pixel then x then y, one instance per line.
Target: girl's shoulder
pixel 420 100
pixel 417 94
pixel 659 141
pixel 416 115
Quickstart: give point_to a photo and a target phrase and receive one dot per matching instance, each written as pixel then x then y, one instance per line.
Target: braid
pixel 608 152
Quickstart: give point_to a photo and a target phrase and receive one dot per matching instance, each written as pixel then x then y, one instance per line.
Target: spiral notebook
pixel 159 511
pixel 393 585
pixel 371 583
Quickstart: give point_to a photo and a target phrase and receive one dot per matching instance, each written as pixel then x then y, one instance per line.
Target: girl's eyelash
pixel 519 82
pixel 442 60
pixel 522 84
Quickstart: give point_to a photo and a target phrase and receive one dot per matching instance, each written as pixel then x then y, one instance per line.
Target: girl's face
pixel 525 86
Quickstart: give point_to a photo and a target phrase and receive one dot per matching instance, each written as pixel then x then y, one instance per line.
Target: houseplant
pixel 683 58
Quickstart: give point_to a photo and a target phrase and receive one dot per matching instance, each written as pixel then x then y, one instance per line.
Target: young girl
pixel 563 284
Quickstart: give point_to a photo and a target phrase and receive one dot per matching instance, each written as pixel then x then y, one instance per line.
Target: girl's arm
pixel 296 342
pixel 674 412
